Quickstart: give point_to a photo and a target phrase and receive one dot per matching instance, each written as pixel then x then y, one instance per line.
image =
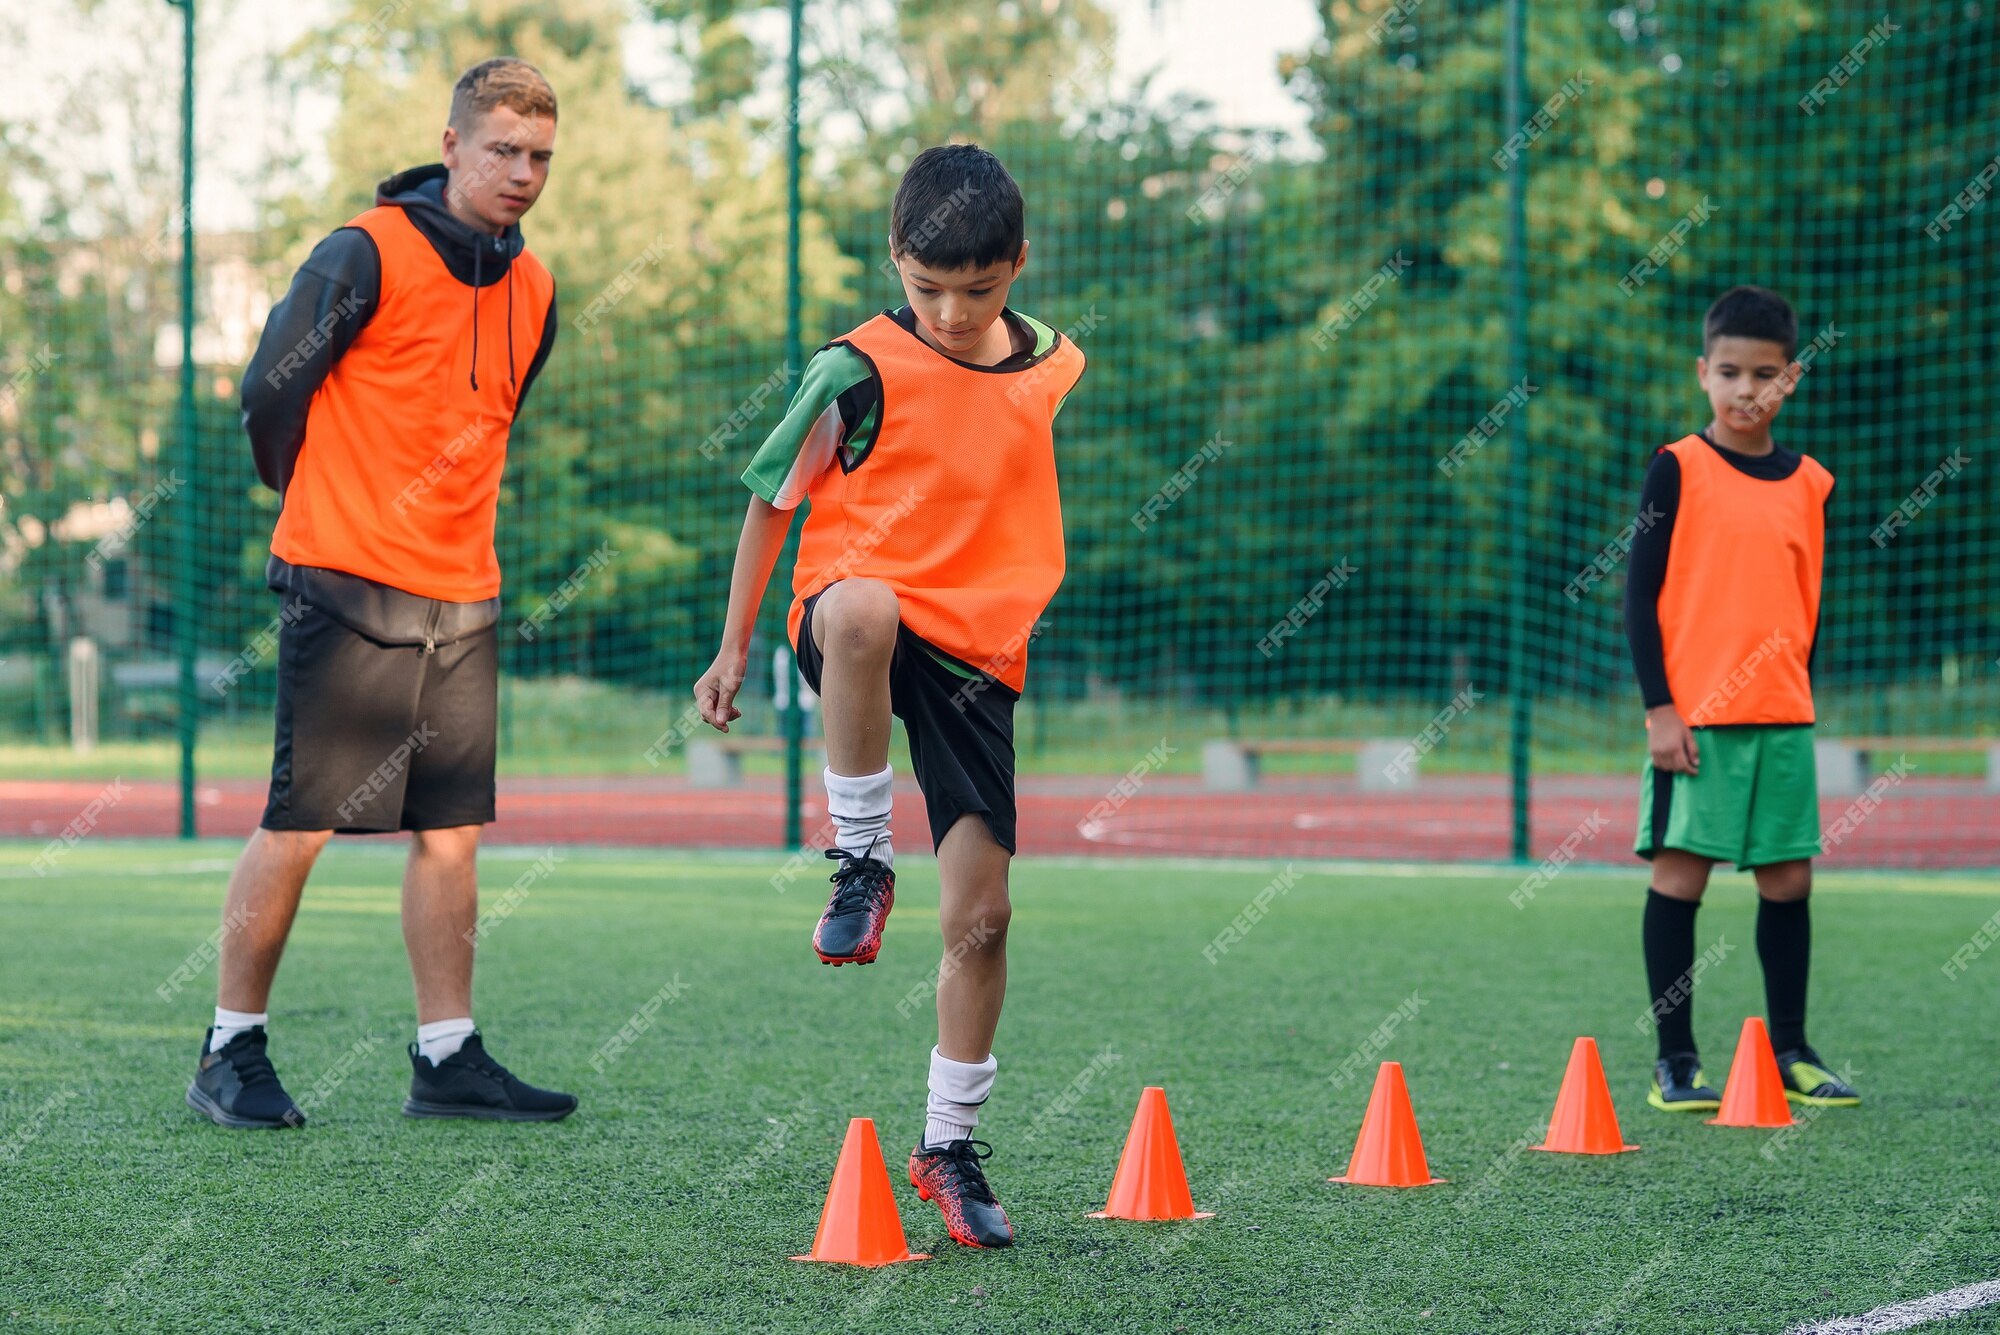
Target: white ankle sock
pixel 957 1090
pixel 858 806
pixel 440 1038
pixel 228 1024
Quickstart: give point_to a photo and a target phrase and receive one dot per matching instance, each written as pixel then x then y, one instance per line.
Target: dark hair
pixel 1751 312
pixel 957 208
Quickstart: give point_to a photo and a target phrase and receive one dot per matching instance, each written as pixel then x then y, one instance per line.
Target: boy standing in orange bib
pixel 924 440
pixel 1722 608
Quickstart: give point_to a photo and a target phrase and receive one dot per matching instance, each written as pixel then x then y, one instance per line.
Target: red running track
pixel 1936 823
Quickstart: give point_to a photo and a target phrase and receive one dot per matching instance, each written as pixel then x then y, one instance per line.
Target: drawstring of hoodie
pixel 513 380
pixel 423 192
pixel 476 250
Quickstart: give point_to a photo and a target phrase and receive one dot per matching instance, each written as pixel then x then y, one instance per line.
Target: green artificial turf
pixel 698 1161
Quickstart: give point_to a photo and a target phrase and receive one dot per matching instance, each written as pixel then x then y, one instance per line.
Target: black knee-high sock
pixel 1669 938
pixel 1784 945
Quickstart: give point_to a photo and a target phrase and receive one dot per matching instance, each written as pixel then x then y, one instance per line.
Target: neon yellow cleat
pixel 1808 1081
pixel 1680 1086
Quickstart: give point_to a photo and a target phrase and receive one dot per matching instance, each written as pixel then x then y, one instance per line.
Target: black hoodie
pixel 334 295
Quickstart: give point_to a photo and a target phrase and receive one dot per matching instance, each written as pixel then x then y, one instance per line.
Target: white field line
pixel 1832 880
pixel 201 867
pixel 1902 1316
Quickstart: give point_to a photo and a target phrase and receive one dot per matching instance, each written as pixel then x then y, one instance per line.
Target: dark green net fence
pixel 1363 430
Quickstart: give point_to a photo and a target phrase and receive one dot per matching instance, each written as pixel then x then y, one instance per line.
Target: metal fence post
pixel 794 715
pixel 184 529
pixel 1519 689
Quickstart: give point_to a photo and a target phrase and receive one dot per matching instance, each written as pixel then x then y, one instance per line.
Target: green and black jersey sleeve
pixel 834 416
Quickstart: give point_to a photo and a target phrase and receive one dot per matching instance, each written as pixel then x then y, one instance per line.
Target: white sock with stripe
pixel 859 806
pixel 957 1090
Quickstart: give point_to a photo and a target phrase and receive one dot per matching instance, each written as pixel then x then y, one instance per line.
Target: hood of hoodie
pixel 475 258
pixel 478 259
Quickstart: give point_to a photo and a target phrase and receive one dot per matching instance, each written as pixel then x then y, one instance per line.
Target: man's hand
pixel 715 693
pixel 1671 741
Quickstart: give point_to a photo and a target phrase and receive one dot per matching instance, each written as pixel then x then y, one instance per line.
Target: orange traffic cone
pixel 1151 1183
pixel 1755 1094
pixel 1584 1121
pixel 859 1225
pixel 1389 1152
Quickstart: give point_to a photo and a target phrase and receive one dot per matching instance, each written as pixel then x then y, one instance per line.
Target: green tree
pixel 1677 114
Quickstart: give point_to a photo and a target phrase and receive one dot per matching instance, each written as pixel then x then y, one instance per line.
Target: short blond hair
pixel 500 82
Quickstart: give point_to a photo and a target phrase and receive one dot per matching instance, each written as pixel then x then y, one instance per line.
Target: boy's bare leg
pixel 440 910
pixel 973 913
pixel 1784 882
pixel 257 914
pixel 1681 875
pixel 854 626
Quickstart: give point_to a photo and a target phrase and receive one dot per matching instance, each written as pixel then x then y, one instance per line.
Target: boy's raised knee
pixel 859 617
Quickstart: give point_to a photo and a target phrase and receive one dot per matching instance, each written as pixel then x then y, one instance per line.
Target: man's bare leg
pixel 440 917
pixel 257 915
pixel 440 911
pixel 235 1085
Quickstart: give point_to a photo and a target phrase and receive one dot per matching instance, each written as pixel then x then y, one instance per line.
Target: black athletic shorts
pixel 376 737
pixel 961 732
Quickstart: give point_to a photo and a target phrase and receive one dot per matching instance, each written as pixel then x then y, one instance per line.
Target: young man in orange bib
pixel 1722 609
pixel 924 441
pixel 378 406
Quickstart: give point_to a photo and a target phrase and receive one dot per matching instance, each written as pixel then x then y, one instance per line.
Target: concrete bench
pixel 1844 767
pixel 1229 765
pixel 717 762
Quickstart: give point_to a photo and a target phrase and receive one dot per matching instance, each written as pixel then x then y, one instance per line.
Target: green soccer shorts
pixel 1756 800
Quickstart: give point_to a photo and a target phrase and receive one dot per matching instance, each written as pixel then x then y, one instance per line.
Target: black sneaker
pixel 236 1087
pixel 951 1176
pixel 471 1084
pixel 1808 1080
pixel 850 931
pixel 1680 1086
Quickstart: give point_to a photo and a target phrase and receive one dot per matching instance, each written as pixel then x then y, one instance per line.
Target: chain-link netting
pixel 1346 525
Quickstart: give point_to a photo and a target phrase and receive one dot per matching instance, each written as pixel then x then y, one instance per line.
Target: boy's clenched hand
pixel 715 693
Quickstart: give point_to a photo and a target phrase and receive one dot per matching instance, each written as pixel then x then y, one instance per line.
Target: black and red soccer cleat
pixel 850 931
pixel 951 1176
